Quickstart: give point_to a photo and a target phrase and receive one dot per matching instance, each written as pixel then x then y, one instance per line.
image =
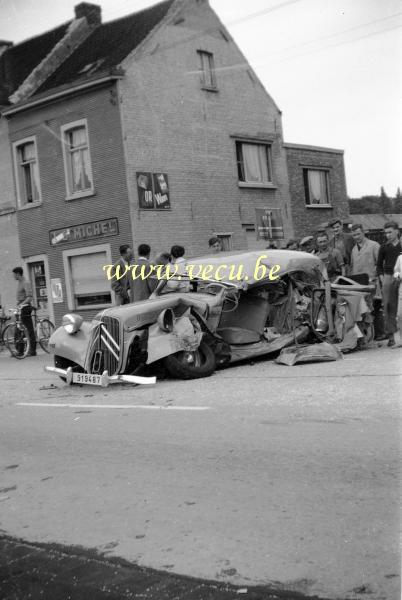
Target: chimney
pixel 92 12
pixel 5 46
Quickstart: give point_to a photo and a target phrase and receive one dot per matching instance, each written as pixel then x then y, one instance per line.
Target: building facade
pixel 317 185
pixel 145 129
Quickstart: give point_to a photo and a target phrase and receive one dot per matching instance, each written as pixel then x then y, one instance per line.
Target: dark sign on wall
pixel 269 224
pixel 85 231
pixel 153 191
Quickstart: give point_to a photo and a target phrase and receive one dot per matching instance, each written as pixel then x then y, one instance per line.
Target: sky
pixel 334 68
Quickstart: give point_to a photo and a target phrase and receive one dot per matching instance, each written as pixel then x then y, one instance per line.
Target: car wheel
pixel 191 365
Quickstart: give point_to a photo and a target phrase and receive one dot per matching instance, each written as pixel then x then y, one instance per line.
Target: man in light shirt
pixel 24 302
pixel 398 278
pixel 364 255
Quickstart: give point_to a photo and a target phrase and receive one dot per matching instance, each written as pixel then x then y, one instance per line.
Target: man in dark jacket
pixel 387 257
pixel 341 241
pixel 121 282
pixel 141 283
pixel 24 302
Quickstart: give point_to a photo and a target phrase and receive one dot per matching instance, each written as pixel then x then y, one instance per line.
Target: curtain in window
pixel 77 169
pixel 79 156
pixel 87 274
pixel 317 190
pixel 78 137
pixel 28 152
pixel 35 181
pixel 255 163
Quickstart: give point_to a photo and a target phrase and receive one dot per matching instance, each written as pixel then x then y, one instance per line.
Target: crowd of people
pixel 344 254
pixel 351 255
pixel 365 261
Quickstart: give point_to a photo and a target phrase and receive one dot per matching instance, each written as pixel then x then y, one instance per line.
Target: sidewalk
pixel 55 572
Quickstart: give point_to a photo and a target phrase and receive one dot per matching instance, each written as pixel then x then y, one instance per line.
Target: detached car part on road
pixel 216 322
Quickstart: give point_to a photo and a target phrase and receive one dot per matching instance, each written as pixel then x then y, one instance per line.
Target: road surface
pixel 261 474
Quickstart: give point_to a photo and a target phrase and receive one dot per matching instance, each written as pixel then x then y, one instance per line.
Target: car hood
pixel 138 314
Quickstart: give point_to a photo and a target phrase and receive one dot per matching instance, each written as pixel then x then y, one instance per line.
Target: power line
pixel 321 38
pixel 341 43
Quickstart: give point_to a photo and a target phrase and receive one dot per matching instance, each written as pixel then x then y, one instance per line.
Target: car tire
pixel 203 363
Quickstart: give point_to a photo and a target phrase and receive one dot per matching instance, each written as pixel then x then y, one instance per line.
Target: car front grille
pixel 106 354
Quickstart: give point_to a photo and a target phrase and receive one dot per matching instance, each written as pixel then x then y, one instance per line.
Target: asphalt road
pixel 262 474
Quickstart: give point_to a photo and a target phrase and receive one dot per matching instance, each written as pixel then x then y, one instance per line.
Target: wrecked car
pixel 245 305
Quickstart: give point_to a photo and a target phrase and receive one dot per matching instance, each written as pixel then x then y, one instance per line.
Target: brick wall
pixel 307 219
pixel 100 109
pixel 9 245
pixel 171 125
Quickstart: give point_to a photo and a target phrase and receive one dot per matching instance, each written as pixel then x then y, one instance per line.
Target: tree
pixel 398 194
pixel 383 195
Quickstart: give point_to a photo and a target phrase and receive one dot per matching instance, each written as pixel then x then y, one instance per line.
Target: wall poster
pixel 269 225
pixel 153 191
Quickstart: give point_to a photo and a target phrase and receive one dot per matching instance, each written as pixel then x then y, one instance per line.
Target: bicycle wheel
pixel 45 329
pixel 16 339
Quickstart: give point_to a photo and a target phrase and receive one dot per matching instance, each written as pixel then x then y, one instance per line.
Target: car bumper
pixel 105 378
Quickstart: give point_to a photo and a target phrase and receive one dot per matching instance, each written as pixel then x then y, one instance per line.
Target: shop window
pixel 254 163
pixel 77 160
pixel 208 79
pixel 27 172
pixel 316 187
pixel 39 287
pixel 86 282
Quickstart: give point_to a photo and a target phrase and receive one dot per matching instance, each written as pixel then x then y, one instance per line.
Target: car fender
pixel 74 347
pixel 183 337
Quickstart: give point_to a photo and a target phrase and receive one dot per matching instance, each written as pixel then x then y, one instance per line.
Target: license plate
pixel 87 378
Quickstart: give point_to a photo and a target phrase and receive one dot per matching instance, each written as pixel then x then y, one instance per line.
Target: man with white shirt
pixel 364 255
pixel 398 278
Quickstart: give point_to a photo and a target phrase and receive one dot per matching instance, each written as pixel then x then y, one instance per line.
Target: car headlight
pixel 166 320
pixel 72 323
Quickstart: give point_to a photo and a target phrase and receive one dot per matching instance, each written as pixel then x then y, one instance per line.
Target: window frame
pixel 225 234
pixel 67 254
pixel 64 129
pixel 211 71
pixel 306 186
pixel 240 164
pixel 16 145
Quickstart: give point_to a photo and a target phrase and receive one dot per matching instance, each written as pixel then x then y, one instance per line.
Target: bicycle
pixel 3 321
pixel 16 337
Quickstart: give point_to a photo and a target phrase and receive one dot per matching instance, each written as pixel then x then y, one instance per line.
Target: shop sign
pixel 153 191
pixel 57 290
pixel 85 231
pixel 269 224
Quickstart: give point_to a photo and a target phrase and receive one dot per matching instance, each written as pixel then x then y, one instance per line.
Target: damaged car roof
pixel 289 261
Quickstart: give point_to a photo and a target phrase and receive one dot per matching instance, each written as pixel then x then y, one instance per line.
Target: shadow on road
pixel 55 572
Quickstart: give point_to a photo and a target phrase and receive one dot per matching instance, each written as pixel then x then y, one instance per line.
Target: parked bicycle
pixel 3 320
pixel 16 337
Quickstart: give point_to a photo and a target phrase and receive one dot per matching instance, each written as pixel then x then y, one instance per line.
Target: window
pixel 86 282
pixel 27 172
pixel 254 163
pixel 77 161
pixel 226 240
pixel 316 187
pixel 208 80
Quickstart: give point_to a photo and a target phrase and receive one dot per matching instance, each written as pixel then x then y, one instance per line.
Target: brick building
pixel 317 187
pixel 144 129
